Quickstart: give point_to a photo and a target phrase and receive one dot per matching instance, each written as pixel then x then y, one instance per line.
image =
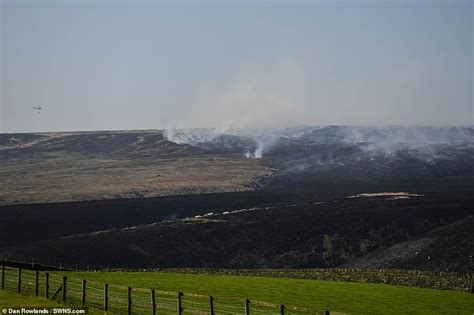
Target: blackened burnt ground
pixel 137 199
pixel 304 228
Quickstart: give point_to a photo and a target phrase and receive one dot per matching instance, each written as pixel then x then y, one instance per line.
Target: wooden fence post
pixel 211 305
pixel 83 299
pixel 106 297
pixel 129 300
pixel 282 309
pixel 36 283
pixel 180 304
pixel 153 302
pixel 46 286
pixel 247 307
pixel 19 280
pixel 3 276
pixel 64 288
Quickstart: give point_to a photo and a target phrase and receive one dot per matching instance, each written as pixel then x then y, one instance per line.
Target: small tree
pixel 328 246
pixel 336 250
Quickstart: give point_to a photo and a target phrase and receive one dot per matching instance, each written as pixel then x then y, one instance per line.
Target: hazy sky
pixel 135 65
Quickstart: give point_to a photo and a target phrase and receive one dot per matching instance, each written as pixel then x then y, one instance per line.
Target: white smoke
pixel 258 100
pixel 262 143
pixel 263 101
pixel 191 136
pixel 262 140
pixel 423 143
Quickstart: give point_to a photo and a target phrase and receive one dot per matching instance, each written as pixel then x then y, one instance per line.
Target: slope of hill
pixel 239 199
pixel 55 167
pixel 449 247
pixel 58 167
pixel 313 232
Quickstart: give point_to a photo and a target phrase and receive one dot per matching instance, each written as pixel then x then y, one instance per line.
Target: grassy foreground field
pixel 12 299
pixel 336 296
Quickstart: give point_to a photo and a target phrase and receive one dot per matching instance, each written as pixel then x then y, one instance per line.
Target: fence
pixel 439 280
pixel 36 266
pixel 126 300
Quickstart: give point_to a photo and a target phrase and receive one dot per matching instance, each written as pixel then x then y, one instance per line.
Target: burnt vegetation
pixel 300 209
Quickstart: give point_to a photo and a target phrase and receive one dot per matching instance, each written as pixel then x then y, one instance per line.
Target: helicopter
pixel 39 108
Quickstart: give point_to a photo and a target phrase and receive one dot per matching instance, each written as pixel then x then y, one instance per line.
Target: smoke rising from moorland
pixel 266 103
pixel 424 143
pixel 257 97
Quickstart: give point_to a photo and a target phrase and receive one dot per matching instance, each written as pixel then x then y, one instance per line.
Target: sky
pixel 107 65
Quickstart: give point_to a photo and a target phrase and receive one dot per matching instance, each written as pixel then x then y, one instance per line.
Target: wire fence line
pixel 119 299
pixel 440 280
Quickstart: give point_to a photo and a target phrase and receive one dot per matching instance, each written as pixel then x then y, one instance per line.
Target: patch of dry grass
pixel 59 176
pixel 388 195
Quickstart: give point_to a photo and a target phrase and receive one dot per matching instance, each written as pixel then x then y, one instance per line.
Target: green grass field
pixel 336 296
pixel 13 299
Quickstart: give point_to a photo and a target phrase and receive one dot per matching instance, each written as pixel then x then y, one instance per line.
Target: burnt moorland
pixel 300 198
